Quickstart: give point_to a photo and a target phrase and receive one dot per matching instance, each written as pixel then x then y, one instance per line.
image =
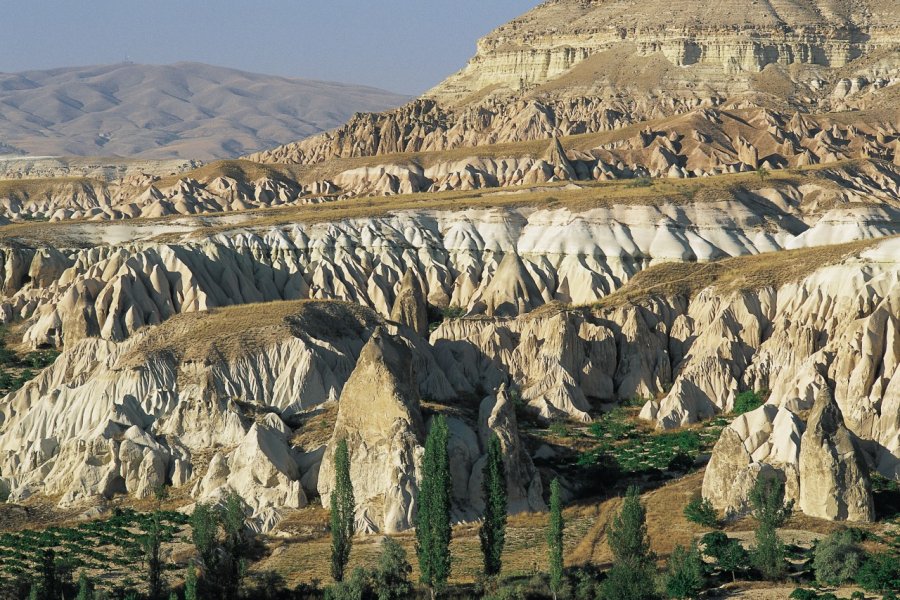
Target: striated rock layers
pixel 488 261
pixel 830 334
pixel 572 66
pixel 202 400
pixel 118 416
pixel 207 401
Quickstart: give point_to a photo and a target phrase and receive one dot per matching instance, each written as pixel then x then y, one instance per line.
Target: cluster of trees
pixel 433 525
pixel 835 561
pixel 222 548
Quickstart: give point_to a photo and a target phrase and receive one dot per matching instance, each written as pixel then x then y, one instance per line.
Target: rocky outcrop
pixel 570 67
pixel 411 308
pixel 110 418
pixel 524 491
pixel 487 261
pixel 380 419
pixel 834 479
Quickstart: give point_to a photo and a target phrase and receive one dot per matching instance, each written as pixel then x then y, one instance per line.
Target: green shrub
pixel 728 553
pixel 857 595
pixel 682 462
pixel 559 429
pixel 453 312
pixel 837 559
pixel 641 182
pixel 700 510
pixel 879 573
pixel 354 588
pixel 390 581
pixel 747 401
pixel 803 594
pixel 684 578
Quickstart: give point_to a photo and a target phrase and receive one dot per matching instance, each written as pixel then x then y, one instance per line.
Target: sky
pixel 404 46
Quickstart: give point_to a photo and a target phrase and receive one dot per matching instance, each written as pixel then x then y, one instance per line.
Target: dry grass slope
pixel 742 273
pixel 246 329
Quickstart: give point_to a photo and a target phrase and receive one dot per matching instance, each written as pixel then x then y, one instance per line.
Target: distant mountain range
pixel 184 110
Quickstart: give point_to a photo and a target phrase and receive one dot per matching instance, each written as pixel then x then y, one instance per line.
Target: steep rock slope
pixel 570 67
pixel 202 399
pixel 186 110
pixel 829 334
pixel 499 262
pixel 116 417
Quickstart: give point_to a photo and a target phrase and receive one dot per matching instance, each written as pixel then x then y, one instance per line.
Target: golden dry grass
pixel 306 556
pixel 245 329
pixel 742 273
pixel 580 197
pixel 28 188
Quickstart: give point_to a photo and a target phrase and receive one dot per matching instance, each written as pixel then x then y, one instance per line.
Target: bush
pixel 747 401
pixel 728 553
pixel 682 462
pixel 641 182
pixel 560 429
pixel 685 577
pixel 629 580
pixel 700 511
pixel 354 588
pixel 837 559
pixel 802 594
pixel 453 312
pixel 391 579
pixel 879 573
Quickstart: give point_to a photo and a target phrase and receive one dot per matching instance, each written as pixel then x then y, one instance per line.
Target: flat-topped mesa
pixel 573 67
pixel 729 38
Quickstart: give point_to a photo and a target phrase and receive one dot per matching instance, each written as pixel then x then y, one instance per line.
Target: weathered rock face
pixel 411 307
pixel 497 417
pixel 493 262
pixel 569 67
pixel 112 418
pixel 849 363
pixel 380 419
pixel 834 480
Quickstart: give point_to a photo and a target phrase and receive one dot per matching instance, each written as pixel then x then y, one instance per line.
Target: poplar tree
pixel 433 529
pixel 633 562
pixel 555 538
pixel 343 512
pixel 493 488
pixel 190 584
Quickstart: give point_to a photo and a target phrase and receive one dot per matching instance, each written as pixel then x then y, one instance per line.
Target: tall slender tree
pixel 234 566
pixel 433 529
pixel 555 538
pixel 190 584
pixel 153 535
pixel 633 562
pixel 343 512
pixel 493 489
pixel 770 511
pixel 204 532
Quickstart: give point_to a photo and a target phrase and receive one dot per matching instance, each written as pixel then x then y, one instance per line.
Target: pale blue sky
pixel 401 45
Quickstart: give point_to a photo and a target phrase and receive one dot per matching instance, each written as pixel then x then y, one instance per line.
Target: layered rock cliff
pixel 498 261
pixel 570 67
pixel 111 416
